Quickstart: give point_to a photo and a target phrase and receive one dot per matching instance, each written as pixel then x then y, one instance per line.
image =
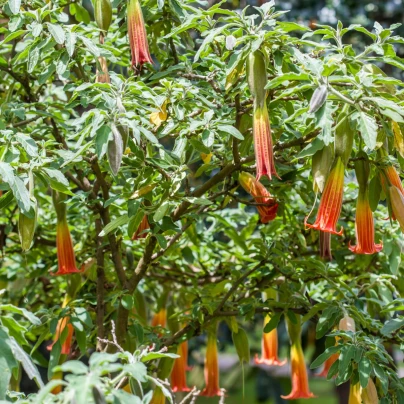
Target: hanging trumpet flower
pixel 364 227
pixel 331 201
pixel 211 366
pixel 137 35
pixel 261 195
pixel 269 342
pixel 178 374
pixel 64 245
pixel 257 79
pixel 300 383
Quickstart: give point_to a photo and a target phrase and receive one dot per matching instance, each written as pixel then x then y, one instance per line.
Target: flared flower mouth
pixel 211 370
pixel 269 348
pixel 331 201
pixel 264 154
pixel 364 227
pixel 268 206
pixel 300 384
pixel 63 323
pixel 137 35
pixel 65 252
pixel 178 374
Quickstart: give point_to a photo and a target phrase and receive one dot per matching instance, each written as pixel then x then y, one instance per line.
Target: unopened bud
pixel 318 98
pixel 103 14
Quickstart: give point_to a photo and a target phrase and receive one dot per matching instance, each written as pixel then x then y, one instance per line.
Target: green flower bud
pixel 26 228
pixel 103 13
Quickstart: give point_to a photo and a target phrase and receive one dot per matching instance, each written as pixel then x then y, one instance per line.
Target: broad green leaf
pixel 119 221
pixel 7 361
pixel 57 32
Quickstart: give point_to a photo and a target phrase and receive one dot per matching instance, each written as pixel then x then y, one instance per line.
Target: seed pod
pixel 321 163
pixel 318 98
pixel 240 341
pixel 103 13
pixel 26 228
pixel 347 324
pixel 257 76
pixel 115 150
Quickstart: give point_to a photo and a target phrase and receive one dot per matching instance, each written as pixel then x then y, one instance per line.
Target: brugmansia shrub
pixel 160 169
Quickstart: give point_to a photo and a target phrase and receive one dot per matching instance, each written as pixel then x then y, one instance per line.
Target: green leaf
pixel 101 140
pixel 14 6
pixel 161 211
pixel 134 222
pixel 273 322
pixel 75 367
pixel 7 361
pixel 329 317
pixel 368 129
pixel 57 32
pixel 23 312
pixel 324 356
pixel 127 302
pixel 6 199
pixel 157 355
pixel 347 354
pixel 136 370
pixel 119 221
pixel 33 59
pixel 375 190
pixel 70 42
pixel 240 340
pixel 392 326
pixel 232 130
pixel 364 369
pixel 30 368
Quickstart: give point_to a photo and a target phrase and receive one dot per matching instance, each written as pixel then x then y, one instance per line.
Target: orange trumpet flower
pixel 269 348
pixel 211 367
pixel 64 244
pixel 261 195
pixel 160 318
pixel 300 383
pixel 178 374
pixel 331 201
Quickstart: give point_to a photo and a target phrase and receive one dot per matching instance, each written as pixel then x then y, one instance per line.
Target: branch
pixel 100 285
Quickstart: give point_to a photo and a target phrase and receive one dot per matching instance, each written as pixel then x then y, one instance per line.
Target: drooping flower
pixel 331 201
pixel 300 383
pixel 269 347
pixel 261 195
pixel 390 174
pixel 325 245
pixel 178 374
pixel 137 35
pixel 211 370
pixel 397 205
pixel 140 231
pixel 63 323
pixel 257 79
pixel 263 148
pixel 160 318
pixel 355 394
pixel 64 244
pixel 364 228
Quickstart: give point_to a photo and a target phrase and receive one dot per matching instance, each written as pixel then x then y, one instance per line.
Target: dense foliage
pixel 148 171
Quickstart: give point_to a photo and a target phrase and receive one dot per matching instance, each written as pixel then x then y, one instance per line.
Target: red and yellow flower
pixel 263 147
pixel 64 244
pixel 331 201
pixel 211 370
pixel 178 374
pixel 269 347
pixel 300 383
pixel 137 35
pixel 364 228
pixel 268 205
